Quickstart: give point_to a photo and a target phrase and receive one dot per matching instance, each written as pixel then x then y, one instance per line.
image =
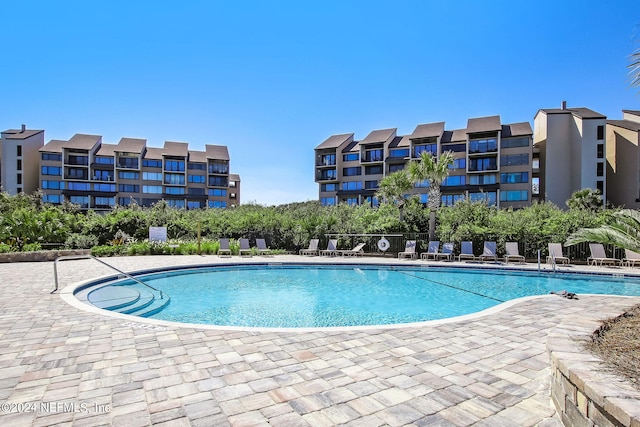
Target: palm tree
pixel 586 199
pixel 634 66
pixel 392 189
pixel 434 171
pixel 624 232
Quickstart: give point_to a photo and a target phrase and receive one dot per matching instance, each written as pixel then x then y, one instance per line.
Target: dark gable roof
pixel 131 145
pixel 53 146
pixel 106 150
pixel 582 112
pixel 217 152
pixel 18 134
pixel 234 177
pixel 153 153
pixel 400 142
pixel 197 156
pixel 382 135
pixel 176 149
pixel 458 135
pixel 625 124
pixel 428 130
pixel 83 141
pixel 516 129
pixel 351 147
pixel 334 141
pixel 634 112
pixel 484 124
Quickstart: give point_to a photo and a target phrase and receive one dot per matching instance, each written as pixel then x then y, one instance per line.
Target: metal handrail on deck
pixel 87 256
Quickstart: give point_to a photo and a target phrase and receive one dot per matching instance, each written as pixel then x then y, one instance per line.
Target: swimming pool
pixel 295 296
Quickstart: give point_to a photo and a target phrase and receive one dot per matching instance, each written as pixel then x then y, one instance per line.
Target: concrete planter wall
pixel 39 256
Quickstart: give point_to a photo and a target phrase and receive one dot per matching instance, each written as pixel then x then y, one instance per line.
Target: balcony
pixel 372 156
pixel 326 175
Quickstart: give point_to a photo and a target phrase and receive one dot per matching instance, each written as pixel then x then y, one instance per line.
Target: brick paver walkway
pixel 60 365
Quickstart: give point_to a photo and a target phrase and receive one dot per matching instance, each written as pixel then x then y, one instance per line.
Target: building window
pixel 515 142
pixel 600 151
pixel 217 192
pixel 371 185
pixel 514 160
pixel 395 168
pixel 174 165
pixel 126 201
pixel 19 178
pixel 176 203
pixel 174 178
pixel 328 160
pixel 535 186
pixel 327 174
pixel 109 188
pixel 128 162
pixel 51 198
pixel 152 176
pixel 458 164
pixel 514 178
pixel 101 160
pixel 328 187
pixel 129 175
pixel 600 169
pixel 600 186
pixel 82 201
pixel 514 196
pixel 77 173
pixel 51 170
pixel 19 150
pixel 52 156
pixel 193 205
pixel 373 155
pixel 174 190
pixel 454 180
pixel 19 164
pixel 352 186
pixel 483 164
pixel 219 167
pixel 218 204
pixel 483 145
pixel 486 179
pixel 102 175
pixel 218 181
pixel 196 191
pixel 351 157
pixel 490 197
pixel 52 185
pixel 600 133
pixel 152 189
pixel 399 152
pixel 128 188
pixel 450 199
pixel 79 186
pixel 152 163
pixel 351 201
pixel 535 163
pixel 429 148
pixel 351 171
pixel 105 202
pixel 200 179
pixel 373 170
pixel 326 201
pixel 197 166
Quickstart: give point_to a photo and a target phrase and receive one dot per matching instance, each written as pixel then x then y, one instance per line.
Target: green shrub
pixel 30 247
pixel 80 241
pixel 106 250
pixel 4 248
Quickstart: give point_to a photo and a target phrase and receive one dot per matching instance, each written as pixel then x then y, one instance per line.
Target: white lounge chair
pixel 312 249
pixel 224 248
pixel 489 252
pixel 631 258
pixel 409 250
pixel 245 249
pixel 356 251
pixel 599 256
pixel 332 248
pixel 555 252
pixel 513 253
pixel 447 251
pixel 466 251
pixel 432 251
pixel 262 247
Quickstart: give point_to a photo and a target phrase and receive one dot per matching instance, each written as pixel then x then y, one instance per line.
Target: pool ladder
pixel 552 255
pixel 87 256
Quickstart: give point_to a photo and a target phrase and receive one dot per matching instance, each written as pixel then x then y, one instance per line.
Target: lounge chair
pixel 599 256
pixel 447 251
pixel 466 251
pixel 245 249
pixel 489 252
pixel 332 248
pixel 409 250
pixel 312 249
pixel 224 248
pixel 356 251
pixel 631 258
pixel 555 252
pixel 262 247
pixel 513 253
pixel 432 252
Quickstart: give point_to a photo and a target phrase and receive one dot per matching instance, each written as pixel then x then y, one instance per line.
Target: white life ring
pixel 383 244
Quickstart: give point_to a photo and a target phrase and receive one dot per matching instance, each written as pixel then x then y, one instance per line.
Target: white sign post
pixel 157 234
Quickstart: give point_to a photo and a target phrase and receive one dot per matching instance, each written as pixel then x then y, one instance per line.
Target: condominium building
pixel 19 159
pixel 571 142
pixel 623 159
pixel 493 162
pixel 95 175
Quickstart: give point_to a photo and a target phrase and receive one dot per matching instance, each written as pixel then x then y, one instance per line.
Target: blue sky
pixel 273 79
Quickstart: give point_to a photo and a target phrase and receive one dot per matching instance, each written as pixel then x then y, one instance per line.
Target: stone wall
pixel 39 256
pixel 583 391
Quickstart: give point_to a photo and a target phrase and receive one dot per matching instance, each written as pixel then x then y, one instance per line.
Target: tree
pixel 392 189
pixel 586 199
pixel 434 171
pixel 634 67
pixel 623 232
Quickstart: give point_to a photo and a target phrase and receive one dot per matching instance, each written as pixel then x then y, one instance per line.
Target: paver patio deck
pixel 60 365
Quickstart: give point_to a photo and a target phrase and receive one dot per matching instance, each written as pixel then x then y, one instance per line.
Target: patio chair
pixel 332 248
pixel 432 251
pixel 555 252
pixel 224 248
pixel 631 258
pixel 356 251
pixel 262 247
pixel 312 249
pixel 466 251
pixel 512 252
pixel 245 249
pixel 489 251
pixel 599 256
pixel 447 251
pixel 409 250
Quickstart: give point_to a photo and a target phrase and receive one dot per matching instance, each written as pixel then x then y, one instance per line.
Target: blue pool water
pixel 322 296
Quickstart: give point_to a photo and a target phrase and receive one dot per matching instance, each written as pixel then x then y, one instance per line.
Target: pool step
pixel 133 299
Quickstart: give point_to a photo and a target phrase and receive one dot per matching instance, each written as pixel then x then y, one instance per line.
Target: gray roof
pixel 582 112
pixel 626 124
pixel 83 141
pixel 177 149
pixel 382 135
pixel 351 147
pixel 334 141
pixel 634 112
pixel 153 153
pixel 400 141
pixel 457 135
pixel 484 124
pixel 234 177
pixel 197 156
pixel 106 150
pixel 218 152
pixel 131 145
pixel 428 130
pixel 53 146
pixel 18 134
pixel 516 129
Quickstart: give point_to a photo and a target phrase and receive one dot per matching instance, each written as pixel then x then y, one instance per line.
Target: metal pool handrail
pixel 87 256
